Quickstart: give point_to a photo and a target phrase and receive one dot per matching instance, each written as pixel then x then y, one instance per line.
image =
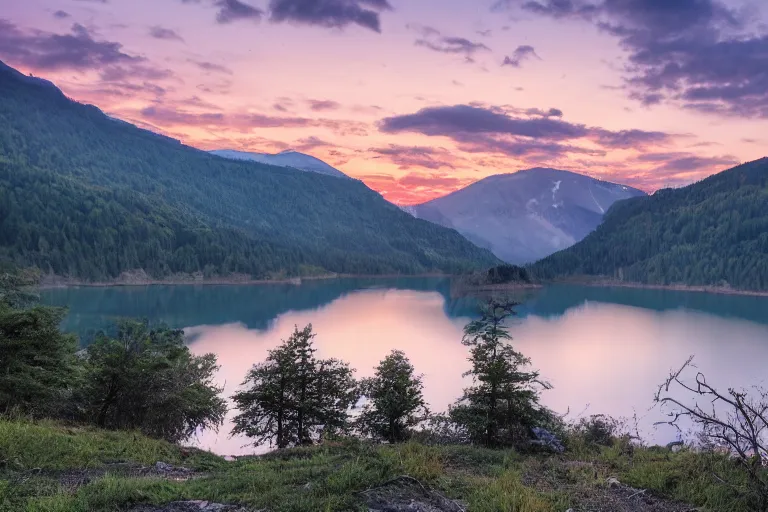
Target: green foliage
pixel 711 233
pixel 502 405
pixel 148 380
pixel 596 430
pixel 37 361
pixel 504 274
pixel 17 286
pixel 293 398
pixel 395 403
pixel 86 196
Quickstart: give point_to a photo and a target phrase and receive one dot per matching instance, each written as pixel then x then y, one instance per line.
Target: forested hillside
pixel 711 233
pixel 86 196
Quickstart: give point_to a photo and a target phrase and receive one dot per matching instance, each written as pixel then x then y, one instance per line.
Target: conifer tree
pixel 293 398
pixel 502 405
pixel 395 402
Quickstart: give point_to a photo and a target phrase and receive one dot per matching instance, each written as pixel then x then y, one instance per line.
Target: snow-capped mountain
pixel 527 215
pixel 287 158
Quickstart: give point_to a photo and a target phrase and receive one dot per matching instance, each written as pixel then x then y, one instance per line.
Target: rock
pixel 547 439
pixel 613 482
pixel 189 506
pixel 168 469
pixel 163 467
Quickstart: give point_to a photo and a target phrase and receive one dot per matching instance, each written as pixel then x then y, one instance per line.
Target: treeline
pixel 147 379
pixel 85 196
pixel 139 378
pixel 711 233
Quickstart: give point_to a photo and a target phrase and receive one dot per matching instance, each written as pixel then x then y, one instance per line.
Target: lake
pixel 604 350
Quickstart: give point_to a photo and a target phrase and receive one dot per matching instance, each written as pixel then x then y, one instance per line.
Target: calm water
pixel 604 349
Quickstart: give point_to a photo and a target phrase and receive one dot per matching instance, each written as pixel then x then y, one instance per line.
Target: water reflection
pixel 360 328
pixel 609 357
pixel 97 308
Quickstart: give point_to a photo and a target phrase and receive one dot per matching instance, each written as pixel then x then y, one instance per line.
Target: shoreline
pixel 715 290
pixel 128 281
pixel 59 283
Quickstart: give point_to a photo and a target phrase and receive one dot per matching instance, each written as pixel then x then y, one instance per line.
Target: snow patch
pixel 595 200
pixel 556 188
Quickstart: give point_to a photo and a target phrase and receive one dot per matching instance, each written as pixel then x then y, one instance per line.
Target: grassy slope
pixel 34 458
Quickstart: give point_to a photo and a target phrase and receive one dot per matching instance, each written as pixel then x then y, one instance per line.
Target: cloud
pixel 235 10
pixel 520 54
pixel 539 136
pixel 310 143
pixel 170 116
pixel 552 112
pixel 433 39
pixel 60 15
pixel 135 72
pixel 453 45
pixel 451 120
pixel 416 156
pixel 330 13
pixel 682 162
pixel 323 105
pixel 78 50
pixel 164 33
pixel 212 67
pixel 698 54
pixel 629 139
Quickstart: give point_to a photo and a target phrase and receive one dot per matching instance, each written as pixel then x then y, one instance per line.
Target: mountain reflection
pixel 256 306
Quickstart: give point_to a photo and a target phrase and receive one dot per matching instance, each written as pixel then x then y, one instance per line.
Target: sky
pixel 419 98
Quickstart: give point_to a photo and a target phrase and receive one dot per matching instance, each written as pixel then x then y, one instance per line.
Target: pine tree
pixel 148 380
pixel 502 405
pixel 395 402
pixel 293 398
pixel 37 361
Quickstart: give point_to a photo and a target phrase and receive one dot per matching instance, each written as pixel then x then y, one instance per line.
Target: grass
pixel 35 456
pixel 47 445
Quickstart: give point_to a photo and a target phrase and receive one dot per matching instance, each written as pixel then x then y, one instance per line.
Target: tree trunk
pixel 280 411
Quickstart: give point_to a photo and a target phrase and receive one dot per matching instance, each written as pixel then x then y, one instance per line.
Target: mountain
pixel 287 158
pixel 84 196
pixel 711 233
pixel 527 215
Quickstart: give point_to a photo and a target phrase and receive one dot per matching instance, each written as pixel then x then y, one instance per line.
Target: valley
pixel 383 256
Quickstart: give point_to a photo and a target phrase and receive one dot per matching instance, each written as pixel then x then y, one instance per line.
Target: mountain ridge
pixel 711 233
pixel 526 215
pixel 84 196
pixel 288 158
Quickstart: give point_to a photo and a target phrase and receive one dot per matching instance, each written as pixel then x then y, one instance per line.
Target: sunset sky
pixel 421 97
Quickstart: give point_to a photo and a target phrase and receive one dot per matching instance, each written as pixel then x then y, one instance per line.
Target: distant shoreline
pixel 48 283
pixel 55 282
pixel 717 290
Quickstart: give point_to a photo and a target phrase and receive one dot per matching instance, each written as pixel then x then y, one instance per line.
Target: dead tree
pixel 736 420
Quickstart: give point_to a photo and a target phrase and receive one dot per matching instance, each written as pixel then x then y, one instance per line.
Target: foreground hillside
pixel 711 233
pixel 51 467
pixel 87 196
pixel 527 215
